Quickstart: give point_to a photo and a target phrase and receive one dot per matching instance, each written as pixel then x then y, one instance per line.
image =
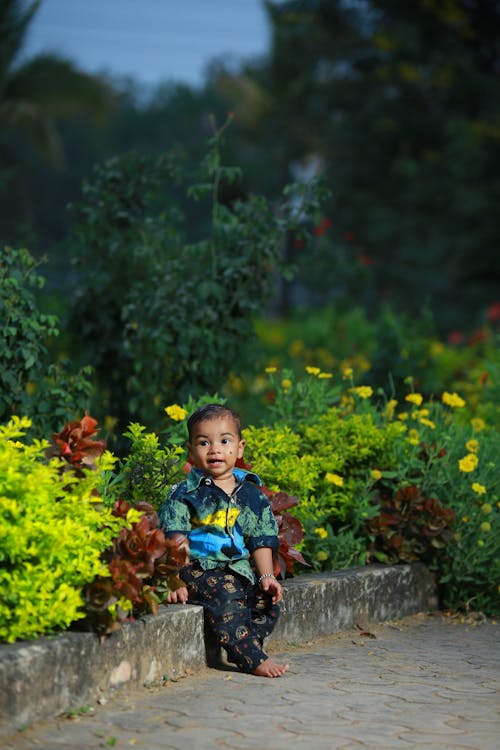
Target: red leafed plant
pixel 410 526
pixel 290 531
pixel 143 565
pixel 77 445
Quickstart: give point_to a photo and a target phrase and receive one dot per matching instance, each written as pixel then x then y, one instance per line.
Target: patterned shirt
pixel 221 529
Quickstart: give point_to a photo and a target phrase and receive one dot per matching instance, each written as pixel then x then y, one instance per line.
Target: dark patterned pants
pixel 236 611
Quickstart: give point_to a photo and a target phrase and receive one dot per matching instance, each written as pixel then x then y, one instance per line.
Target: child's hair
pixel 213 411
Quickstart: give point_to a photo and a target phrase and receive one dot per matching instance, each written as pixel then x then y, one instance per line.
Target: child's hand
pixel 272 587
pixel 179 596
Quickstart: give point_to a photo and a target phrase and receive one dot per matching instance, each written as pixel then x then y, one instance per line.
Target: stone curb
pixel 53 675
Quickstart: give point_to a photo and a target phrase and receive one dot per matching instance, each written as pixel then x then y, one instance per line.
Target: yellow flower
pixel 403 416
pixel 478 424
pixel 176 412
pixel 347 373
pixel 414 398
pixel 436 348
pixel 334 479
pixel 465 519
pixel 389 408
pixel 453 400
pixel 480 542
pixel 427 422
pixel 313 370
pixel 413 437
pixel 296 347
pixel 110 423
pixel 485 526
pixel 486 508
pixel 286 383
pixel 321 556
pixel 468 463
pixel 321 532
pixel 376 474
pixel 271 369
pixel 422 413
pixel 363 391
pixel 325 375
pixel 236 383
pixel 472 446
pixel 479 489
pixel 30 388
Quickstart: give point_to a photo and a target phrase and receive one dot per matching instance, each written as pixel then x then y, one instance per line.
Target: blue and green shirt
pixel 221 529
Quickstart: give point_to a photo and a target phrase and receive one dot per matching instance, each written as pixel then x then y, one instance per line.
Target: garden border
pixel 53 675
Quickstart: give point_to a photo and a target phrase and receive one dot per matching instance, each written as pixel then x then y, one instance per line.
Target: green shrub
pixel 53 533
pixel 388 481
pixel 50 393
pixel 178 316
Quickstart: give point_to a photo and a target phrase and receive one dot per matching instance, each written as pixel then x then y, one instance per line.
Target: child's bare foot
pixel 269 668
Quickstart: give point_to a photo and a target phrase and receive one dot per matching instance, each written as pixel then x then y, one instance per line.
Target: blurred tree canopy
pixel 397 104
pixel 33 95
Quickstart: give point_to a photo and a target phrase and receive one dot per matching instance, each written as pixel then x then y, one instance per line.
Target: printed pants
pixel 236 611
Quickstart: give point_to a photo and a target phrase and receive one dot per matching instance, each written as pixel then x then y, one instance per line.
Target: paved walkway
pixel 421 682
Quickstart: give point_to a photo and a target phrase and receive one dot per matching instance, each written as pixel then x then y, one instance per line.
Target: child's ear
pixel 241 448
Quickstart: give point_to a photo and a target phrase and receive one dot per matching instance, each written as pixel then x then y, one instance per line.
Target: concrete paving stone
pixel 429 741
pixel 335 697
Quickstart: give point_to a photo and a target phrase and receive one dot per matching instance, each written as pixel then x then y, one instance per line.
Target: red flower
pixel 493 312
pixel 366 260
pixel 322 227
pixel 455 338
pixel 480 334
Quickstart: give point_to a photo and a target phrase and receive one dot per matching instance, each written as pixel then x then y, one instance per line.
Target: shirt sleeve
pixel 174 514
pixel 265 531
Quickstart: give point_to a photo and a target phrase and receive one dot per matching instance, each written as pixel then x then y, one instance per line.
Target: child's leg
pixel 264 614
pixel 224 597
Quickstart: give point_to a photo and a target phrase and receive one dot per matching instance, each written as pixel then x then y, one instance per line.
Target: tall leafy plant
pixel 30 384
pixel 176 317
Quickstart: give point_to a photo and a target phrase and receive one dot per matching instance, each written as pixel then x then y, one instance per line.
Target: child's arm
pixel 263 559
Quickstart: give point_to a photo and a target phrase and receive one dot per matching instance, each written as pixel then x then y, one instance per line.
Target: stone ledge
pixel 43 678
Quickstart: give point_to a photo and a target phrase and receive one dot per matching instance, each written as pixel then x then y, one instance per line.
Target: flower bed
pixel 353 477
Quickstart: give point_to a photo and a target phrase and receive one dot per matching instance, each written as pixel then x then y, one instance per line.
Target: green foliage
pixel 385 351
pixel 391 482
pixel 177 316
pixel 299 401
pixel 420 81
pixel 53 534
pixel 148 469
pixel 49 393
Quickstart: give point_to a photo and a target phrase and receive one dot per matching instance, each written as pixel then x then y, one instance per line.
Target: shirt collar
pixel 196 477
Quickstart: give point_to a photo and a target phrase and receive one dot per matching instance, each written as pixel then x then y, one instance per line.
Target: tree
pixel 160 314
pixel 399 104
pixel 33 94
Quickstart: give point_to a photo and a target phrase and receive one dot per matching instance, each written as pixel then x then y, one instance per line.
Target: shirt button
pixel 208 481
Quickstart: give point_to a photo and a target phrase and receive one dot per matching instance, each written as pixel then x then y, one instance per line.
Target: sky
pixel 150 40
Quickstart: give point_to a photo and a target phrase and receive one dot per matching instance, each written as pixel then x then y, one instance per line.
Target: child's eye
pixel 224 441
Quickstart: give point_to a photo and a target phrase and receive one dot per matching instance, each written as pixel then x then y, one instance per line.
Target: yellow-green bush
pixel 53 532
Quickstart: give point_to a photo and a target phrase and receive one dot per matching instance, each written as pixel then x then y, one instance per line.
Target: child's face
pixel 215 446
